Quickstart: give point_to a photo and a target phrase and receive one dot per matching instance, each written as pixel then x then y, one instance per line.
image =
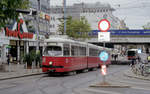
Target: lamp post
pixel 64 4
pixel 38 11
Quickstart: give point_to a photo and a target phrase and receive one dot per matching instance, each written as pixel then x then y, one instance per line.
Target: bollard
pixel 32 67
pixel 26 67
pixel 18 66
pixel 38 66
pixel 9 67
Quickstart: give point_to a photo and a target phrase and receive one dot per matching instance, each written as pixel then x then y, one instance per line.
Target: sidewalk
pixel 17 71
pixel 129 73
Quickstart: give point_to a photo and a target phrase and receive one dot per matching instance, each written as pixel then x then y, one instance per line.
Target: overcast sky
pixel 135 12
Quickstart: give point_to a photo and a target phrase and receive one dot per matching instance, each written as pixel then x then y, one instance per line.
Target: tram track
pixel 64 82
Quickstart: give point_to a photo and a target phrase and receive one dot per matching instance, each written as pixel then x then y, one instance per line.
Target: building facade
pixel 17 41
pixel 43 14
pixel 92 12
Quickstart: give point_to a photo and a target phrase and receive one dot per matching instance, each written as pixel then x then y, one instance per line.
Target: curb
pixel 8 78
pixel 110 86
pixel 134 76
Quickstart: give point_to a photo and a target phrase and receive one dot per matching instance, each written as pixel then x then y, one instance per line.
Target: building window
pixel 97 10
pixel 53 26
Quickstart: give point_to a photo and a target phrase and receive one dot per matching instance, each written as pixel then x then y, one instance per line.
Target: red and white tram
pixel 65 55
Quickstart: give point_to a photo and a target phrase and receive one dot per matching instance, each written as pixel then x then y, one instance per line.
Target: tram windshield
pixel 53 51
pixel 131 53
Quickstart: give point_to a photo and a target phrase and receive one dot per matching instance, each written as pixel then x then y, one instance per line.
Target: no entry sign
pixel 104 25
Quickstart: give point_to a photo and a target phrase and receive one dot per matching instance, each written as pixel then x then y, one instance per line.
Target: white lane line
pixel 101 91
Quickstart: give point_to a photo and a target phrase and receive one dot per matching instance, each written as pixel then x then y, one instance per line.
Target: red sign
pixel 16 33
pixel 104 25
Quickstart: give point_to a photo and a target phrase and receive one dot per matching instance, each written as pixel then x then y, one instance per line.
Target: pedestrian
pixel 115 57
pixel 112 56
pixel 8 59
pixel 132 62
pixel 139 59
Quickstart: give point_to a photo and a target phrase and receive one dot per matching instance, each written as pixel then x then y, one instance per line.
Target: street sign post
pixel 104 56
pixel 103 36
pixel 103 70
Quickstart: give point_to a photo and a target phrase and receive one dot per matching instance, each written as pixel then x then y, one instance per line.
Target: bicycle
pixel 145 69
pixel 136 68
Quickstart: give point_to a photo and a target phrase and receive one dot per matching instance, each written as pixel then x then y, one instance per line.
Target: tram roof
pixel 64 40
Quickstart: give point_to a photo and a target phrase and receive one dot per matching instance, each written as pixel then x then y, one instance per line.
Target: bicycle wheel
pixel 144 72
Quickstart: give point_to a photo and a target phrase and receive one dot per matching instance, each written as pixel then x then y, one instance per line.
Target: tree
pixel 147 26
pixel 8 10
pixel 75 28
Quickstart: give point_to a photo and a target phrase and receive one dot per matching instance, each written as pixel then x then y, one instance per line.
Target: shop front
pixel 20 40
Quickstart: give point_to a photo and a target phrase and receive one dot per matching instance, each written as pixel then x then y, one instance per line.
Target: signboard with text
pixel 103 36
pixel 123 32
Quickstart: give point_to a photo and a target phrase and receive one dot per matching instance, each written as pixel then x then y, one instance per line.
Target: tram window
pixel 66 49
pixel 82 51
pixel 93 52
pixel 74 50
pixel 53 51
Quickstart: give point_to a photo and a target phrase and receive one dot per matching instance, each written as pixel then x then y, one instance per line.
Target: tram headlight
pixel 50 63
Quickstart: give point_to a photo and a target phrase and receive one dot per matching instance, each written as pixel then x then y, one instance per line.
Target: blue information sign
pixel 123 32
pixel 104 56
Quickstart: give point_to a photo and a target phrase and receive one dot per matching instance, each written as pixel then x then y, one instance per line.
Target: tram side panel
pixel 93 59
pixel 93 62
pixel 64 64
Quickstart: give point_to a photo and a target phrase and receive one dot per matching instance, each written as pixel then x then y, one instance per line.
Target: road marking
pixel 6 86
pixel 134 83
pixel 148 89
pixel 101 91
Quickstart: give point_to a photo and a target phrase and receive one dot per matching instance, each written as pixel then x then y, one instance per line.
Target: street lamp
pixel 38 11
pixel 64 4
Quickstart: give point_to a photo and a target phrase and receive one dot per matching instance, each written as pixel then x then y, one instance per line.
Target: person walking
pixel 112 56
pixel 8 59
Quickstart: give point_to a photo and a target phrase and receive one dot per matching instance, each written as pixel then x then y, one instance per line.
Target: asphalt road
pixel 77 84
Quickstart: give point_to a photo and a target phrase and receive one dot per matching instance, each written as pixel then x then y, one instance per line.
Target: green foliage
pixel 8 10
pixel 32 56
pixel 147 26
pixel 38 57
pixel 75 28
